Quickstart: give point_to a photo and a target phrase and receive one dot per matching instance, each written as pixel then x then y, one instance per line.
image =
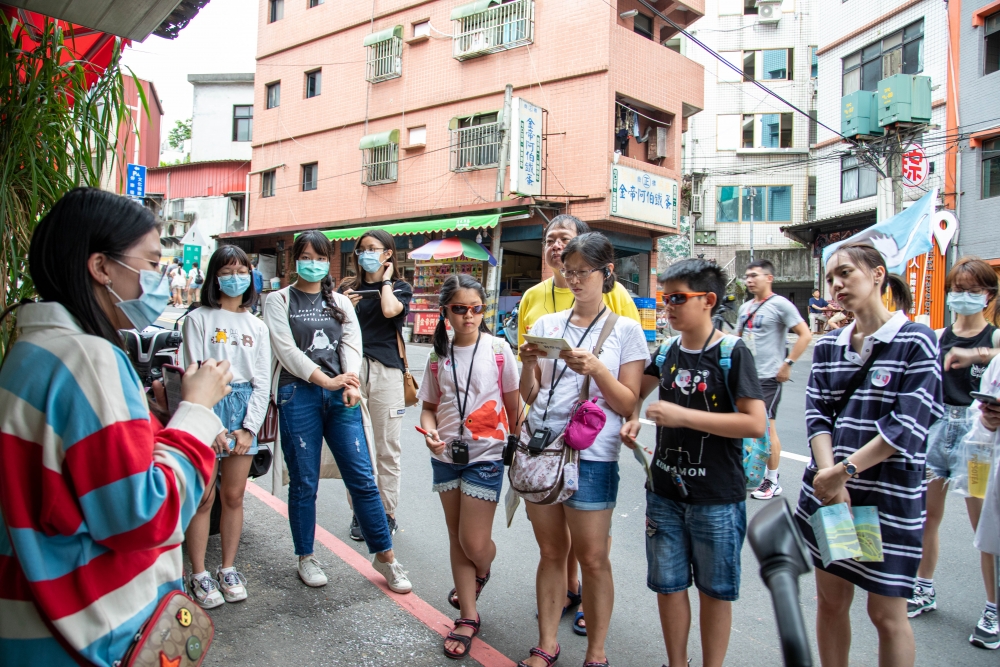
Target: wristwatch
pixel 849 467
pixel 387 282
pixel 789 361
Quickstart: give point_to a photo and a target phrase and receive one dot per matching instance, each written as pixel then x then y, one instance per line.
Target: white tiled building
pixel 861 41
pixel 746 138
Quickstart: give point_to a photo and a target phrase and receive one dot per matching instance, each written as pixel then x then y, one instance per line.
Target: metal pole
pixel 504 142
pixel 753 195
pixel 897 176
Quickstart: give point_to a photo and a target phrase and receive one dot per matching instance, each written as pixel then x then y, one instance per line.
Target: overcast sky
pixel 222 38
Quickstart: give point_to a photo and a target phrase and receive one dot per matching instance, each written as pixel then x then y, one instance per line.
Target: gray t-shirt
pixel 765 335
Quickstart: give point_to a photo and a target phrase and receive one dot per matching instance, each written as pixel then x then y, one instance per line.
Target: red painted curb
pixel 480 651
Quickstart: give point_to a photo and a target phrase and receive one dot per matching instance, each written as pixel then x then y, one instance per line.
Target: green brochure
pixel 840 536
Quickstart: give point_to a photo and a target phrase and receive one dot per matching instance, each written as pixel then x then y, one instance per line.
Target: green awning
pixel 380 139
pixel 418 227
pixel 383 35
pixel 453 123
pixel 477 7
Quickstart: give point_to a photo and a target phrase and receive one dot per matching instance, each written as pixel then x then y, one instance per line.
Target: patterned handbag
pixel 179 633
pixel 546 477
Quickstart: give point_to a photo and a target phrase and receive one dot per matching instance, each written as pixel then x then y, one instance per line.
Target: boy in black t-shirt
pixel 696 508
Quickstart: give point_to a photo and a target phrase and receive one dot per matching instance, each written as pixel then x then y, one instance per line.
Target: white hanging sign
pixel 525 147
pixel 640 195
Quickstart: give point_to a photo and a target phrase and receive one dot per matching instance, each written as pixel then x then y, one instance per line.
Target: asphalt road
pixel 352 622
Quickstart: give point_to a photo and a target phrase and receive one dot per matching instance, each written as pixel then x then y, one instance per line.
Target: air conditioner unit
pixel 768 11
pixel 658 144
pixel 477 42
pixel 696 204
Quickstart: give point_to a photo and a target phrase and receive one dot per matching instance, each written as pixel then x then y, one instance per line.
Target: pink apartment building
pixel 391 119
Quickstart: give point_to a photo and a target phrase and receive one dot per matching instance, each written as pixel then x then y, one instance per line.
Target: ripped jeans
pixel 307 414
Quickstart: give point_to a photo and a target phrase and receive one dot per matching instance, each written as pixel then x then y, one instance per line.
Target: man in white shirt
pixel 764 324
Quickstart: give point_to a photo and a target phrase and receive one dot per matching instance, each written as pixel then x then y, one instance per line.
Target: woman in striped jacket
pixel 869 450
pixel 94 493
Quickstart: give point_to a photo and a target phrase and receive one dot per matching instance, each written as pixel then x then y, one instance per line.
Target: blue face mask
pixel 151 303
pixel 312 270
pixel 235 284
pixel 966 303
pixel 370 260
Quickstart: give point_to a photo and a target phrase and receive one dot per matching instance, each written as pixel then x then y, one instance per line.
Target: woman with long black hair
pixel 317 344
pixel 82 569
pixel 381 316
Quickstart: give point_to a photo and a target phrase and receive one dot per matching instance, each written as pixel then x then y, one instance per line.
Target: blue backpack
pixel 755 450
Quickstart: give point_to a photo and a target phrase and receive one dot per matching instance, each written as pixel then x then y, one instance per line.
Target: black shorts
pixel 772 396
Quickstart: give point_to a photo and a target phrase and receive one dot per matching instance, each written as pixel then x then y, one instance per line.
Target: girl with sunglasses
pixel 469 391
pixel 552 388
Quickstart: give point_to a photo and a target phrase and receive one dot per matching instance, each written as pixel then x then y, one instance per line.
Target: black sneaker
pixel 356 529
pixel 393 527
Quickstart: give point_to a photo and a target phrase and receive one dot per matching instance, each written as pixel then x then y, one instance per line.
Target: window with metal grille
pixel 275 10
pixel 764 203
pixel 858 179
pixel 991 168
pixel 499 27
pixel 267 184
pixel 309 173
pixel 380 164
pixel 475 142
pixel 273 94
pixel 991 62
pixel 902 52
pixel 242 123
pixel 385 50
pixel 314 83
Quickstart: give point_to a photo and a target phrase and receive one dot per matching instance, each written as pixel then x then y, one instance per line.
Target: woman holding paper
pixel 874 391
pixel 552 387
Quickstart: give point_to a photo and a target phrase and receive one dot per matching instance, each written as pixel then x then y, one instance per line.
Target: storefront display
pixel 428 277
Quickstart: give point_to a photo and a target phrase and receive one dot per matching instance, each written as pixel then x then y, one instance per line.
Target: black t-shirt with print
pixel 315 331
pixel 378 331
pixel 958 382
pixel 712 466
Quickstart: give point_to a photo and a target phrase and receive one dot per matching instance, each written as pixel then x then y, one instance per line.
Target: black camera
pixel 540 439
pixel 508 451
pixel 459 452
pixel 675 477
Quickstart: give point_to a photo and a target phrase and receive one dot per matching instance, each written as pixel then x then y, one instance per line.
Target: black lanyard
pixel 555 382
pixel 554 308
pixel 748 323
pixel 468 383
pixel 694 371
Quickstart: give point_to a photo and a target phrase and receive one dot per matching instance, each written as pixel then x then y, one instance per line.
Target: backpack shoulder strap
pixel 661 354
pixel 434 365
pixel 501 360
pixel 726 362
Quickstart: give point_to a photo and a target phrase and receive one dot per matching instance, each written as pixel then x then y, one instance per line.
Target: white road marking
pixel 787 455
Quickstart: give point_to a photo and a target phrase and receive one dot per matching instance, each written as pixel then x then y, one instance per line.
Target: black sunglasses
pixel 680 298
pixel 462 309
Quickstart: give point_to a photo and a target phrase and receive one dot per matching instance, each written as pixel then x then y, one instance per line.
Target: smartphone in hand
pixel 985 398
pixel 172 376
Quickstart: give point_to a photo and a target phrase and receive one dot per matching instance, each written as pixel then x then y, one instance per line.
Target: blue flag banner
pixel 900 238
pixel 135 185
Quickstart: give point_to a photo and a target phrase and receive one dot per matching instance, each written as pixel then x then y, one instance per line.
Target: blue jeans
pixel 942 440
pixel 483 479
pixel 681 537
pixel 598 487
pixel 308 413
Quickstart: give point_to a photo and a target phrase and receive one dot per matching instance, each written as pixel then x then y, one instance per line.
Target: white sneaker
pixel 767 490
pixel 205 590
pixel 394 575
pixel 232 583
pixel 311 573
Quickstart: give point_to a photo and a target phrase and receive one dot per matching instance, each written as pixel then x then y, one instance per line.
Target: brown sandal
pixel 480 584
pixel 549 659
pixel 462 639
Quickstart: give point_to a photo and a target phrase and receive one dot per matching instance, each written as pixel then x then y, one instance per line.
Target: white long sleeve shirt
pixel 988 532
pixel 243 341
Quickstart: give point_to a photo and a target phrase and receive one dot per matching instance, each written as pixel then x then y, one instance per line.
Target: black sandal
pixel 597 664
pixel 480 583
pixel 549 659
pixel 462 639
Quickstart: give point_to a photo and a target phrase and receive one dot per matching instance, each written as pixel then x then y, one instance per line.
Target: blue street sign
pixel 136 185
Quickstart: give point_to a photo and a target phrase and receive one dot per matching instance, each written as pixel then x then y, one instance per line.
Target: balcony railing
pixel 385 60
pixel 380 164
pixel 498 28
pixel 475 147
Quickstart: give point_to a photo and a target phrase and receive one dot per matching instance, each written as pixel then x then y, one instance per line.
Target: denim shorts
pixel 483 479
pixel 943 439
pixel 598 486
pixel 232 410
pixel 707 539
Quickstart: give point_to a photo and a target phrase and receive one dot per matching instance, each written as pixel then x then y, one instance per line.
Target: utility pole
pixel 896 173
pixel 504 143
pixel 753 195
pixel 493 274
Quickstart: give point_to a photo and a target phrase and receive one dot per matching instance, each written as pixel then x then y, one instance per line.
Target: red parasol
pixel 92 48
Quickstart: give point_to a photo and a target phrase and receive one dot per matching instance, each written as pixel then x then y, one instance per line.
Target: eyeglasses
pixel 462 309
pixel 580 275
pixel 680 298
pixel 358 251
pixel 154 264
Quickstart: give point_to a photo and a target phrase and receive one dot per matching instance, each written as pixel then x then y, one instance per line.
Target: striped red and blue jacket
pixel 94 494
